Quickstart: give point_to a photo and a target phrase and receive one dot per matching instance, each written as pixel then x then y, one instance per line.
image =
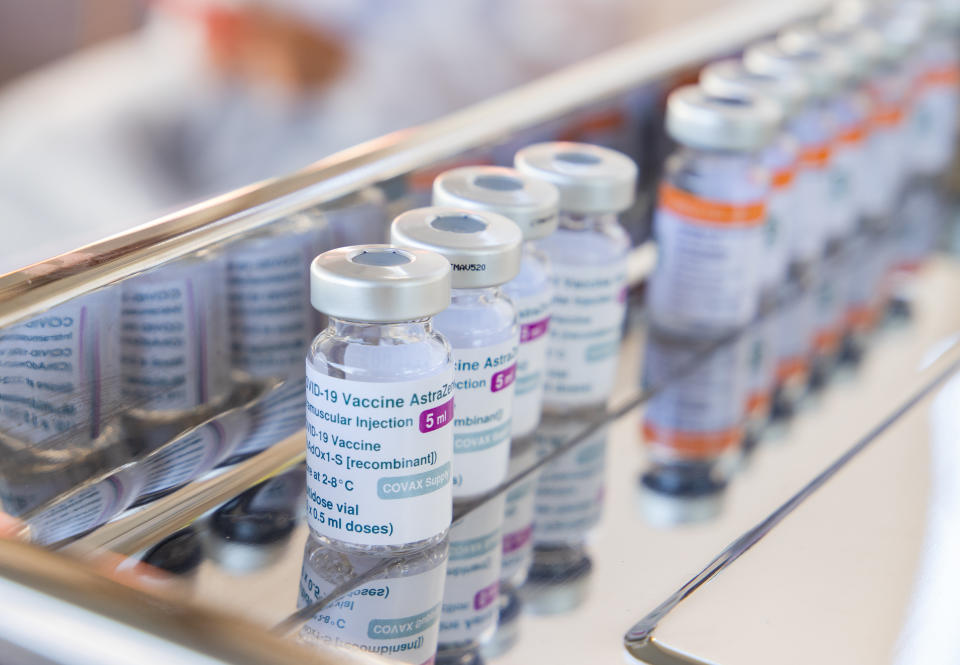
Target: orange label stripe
pixel 692 445
pixel 943 76
pixel 817 157
pixel 889 117
pixel 783 178
pixel 789 369
pixel 706 211
pixel 853 136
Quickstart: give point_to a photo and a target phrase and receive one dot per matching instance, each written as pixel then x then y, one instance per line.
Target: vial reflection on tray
pixel 395 615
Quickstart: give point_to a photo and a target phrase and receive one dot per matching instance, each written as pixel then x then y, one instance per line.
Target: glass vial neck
pixel 481 296
pixel 365 332
pixel 576 222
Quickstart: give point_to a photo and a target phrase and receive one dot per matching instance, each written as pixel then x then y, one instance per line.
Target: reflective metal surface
pixel 152 406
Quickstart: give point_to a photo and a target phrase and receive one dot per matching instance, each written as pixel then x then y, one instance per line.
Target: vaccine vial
pixel 379 401
pixel 471 592
pixel 484 250
pixel 174 361
pixel 60 375
pixel 588 253
pixel 774 353
pixel 711 213
pixel 395 615
pixel 268 294
pixel 818 182
pixel 532 204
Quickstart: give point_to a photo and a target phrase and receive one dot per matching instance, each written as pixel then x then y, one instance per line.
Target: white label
pixel 885 169
pixel 518 518
pixel 780 224
pixel 84 511
pixel 195 453
pixel 569 493
pixel 470 606
pixel 830 306
pixel 933 128
pixel 812 187
pixel 274 417
pixel 533 314
pixel 379 458
pixel 55 373
pixel 589 304
pixel 795 321
pixel 761 348
pixel 707 276
pixel 396 618
pixel 842 204
pixel 484 380
pixel 171 329
pixel 271 320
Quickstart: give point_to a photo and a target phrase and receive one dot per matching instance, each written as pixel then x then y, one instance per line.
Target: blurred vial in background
pixel 711 214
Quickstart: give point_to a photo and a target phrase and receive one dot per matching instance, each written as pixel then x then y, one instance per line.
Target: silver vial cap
pixel 858 51
pixel 729 78
pixel 699 120
pixel 529 202
pixel 379 283
pixel 824 73
pixel 806 42
pixel 483 248
pixel 591 179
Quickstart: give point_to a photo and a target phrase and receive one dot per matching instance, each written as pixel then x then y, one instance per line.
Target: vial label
pixel 934 118
pixel 274 417
pixel 396 618
pixel 193 454
pixel 866 267
pixel 707 276
pixel 533 314
pixel 56 373
pixel 761 365
pixel 484 380
pixel 82 512
pixel 379 458
pixel 795 331
pixel 170 329
pixel 568 500
pixel 828 320
pixel 699 413
pixel 845 166
pixel 471 591
pixel 271 321
pixel 779 226
pixel 518 519
pixel 589 305
pixel 812 187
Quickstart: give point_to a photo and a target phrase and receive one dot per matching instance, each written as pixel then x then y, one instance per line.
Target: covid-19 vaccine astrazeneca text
pixel 711 213
pixel 532 204
pixel 484 251
pixel 379 401
pixel 588 253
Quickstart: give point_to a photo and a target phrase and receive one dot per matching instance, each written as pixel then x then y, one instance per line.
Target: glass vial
pixel 711 213
pixel 532 204
pixel 589 257
pixel 484 250
pixel 379 401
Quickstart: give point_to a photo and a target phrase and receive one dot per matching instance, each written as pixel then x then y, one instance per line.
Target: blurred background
pixel 113 112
